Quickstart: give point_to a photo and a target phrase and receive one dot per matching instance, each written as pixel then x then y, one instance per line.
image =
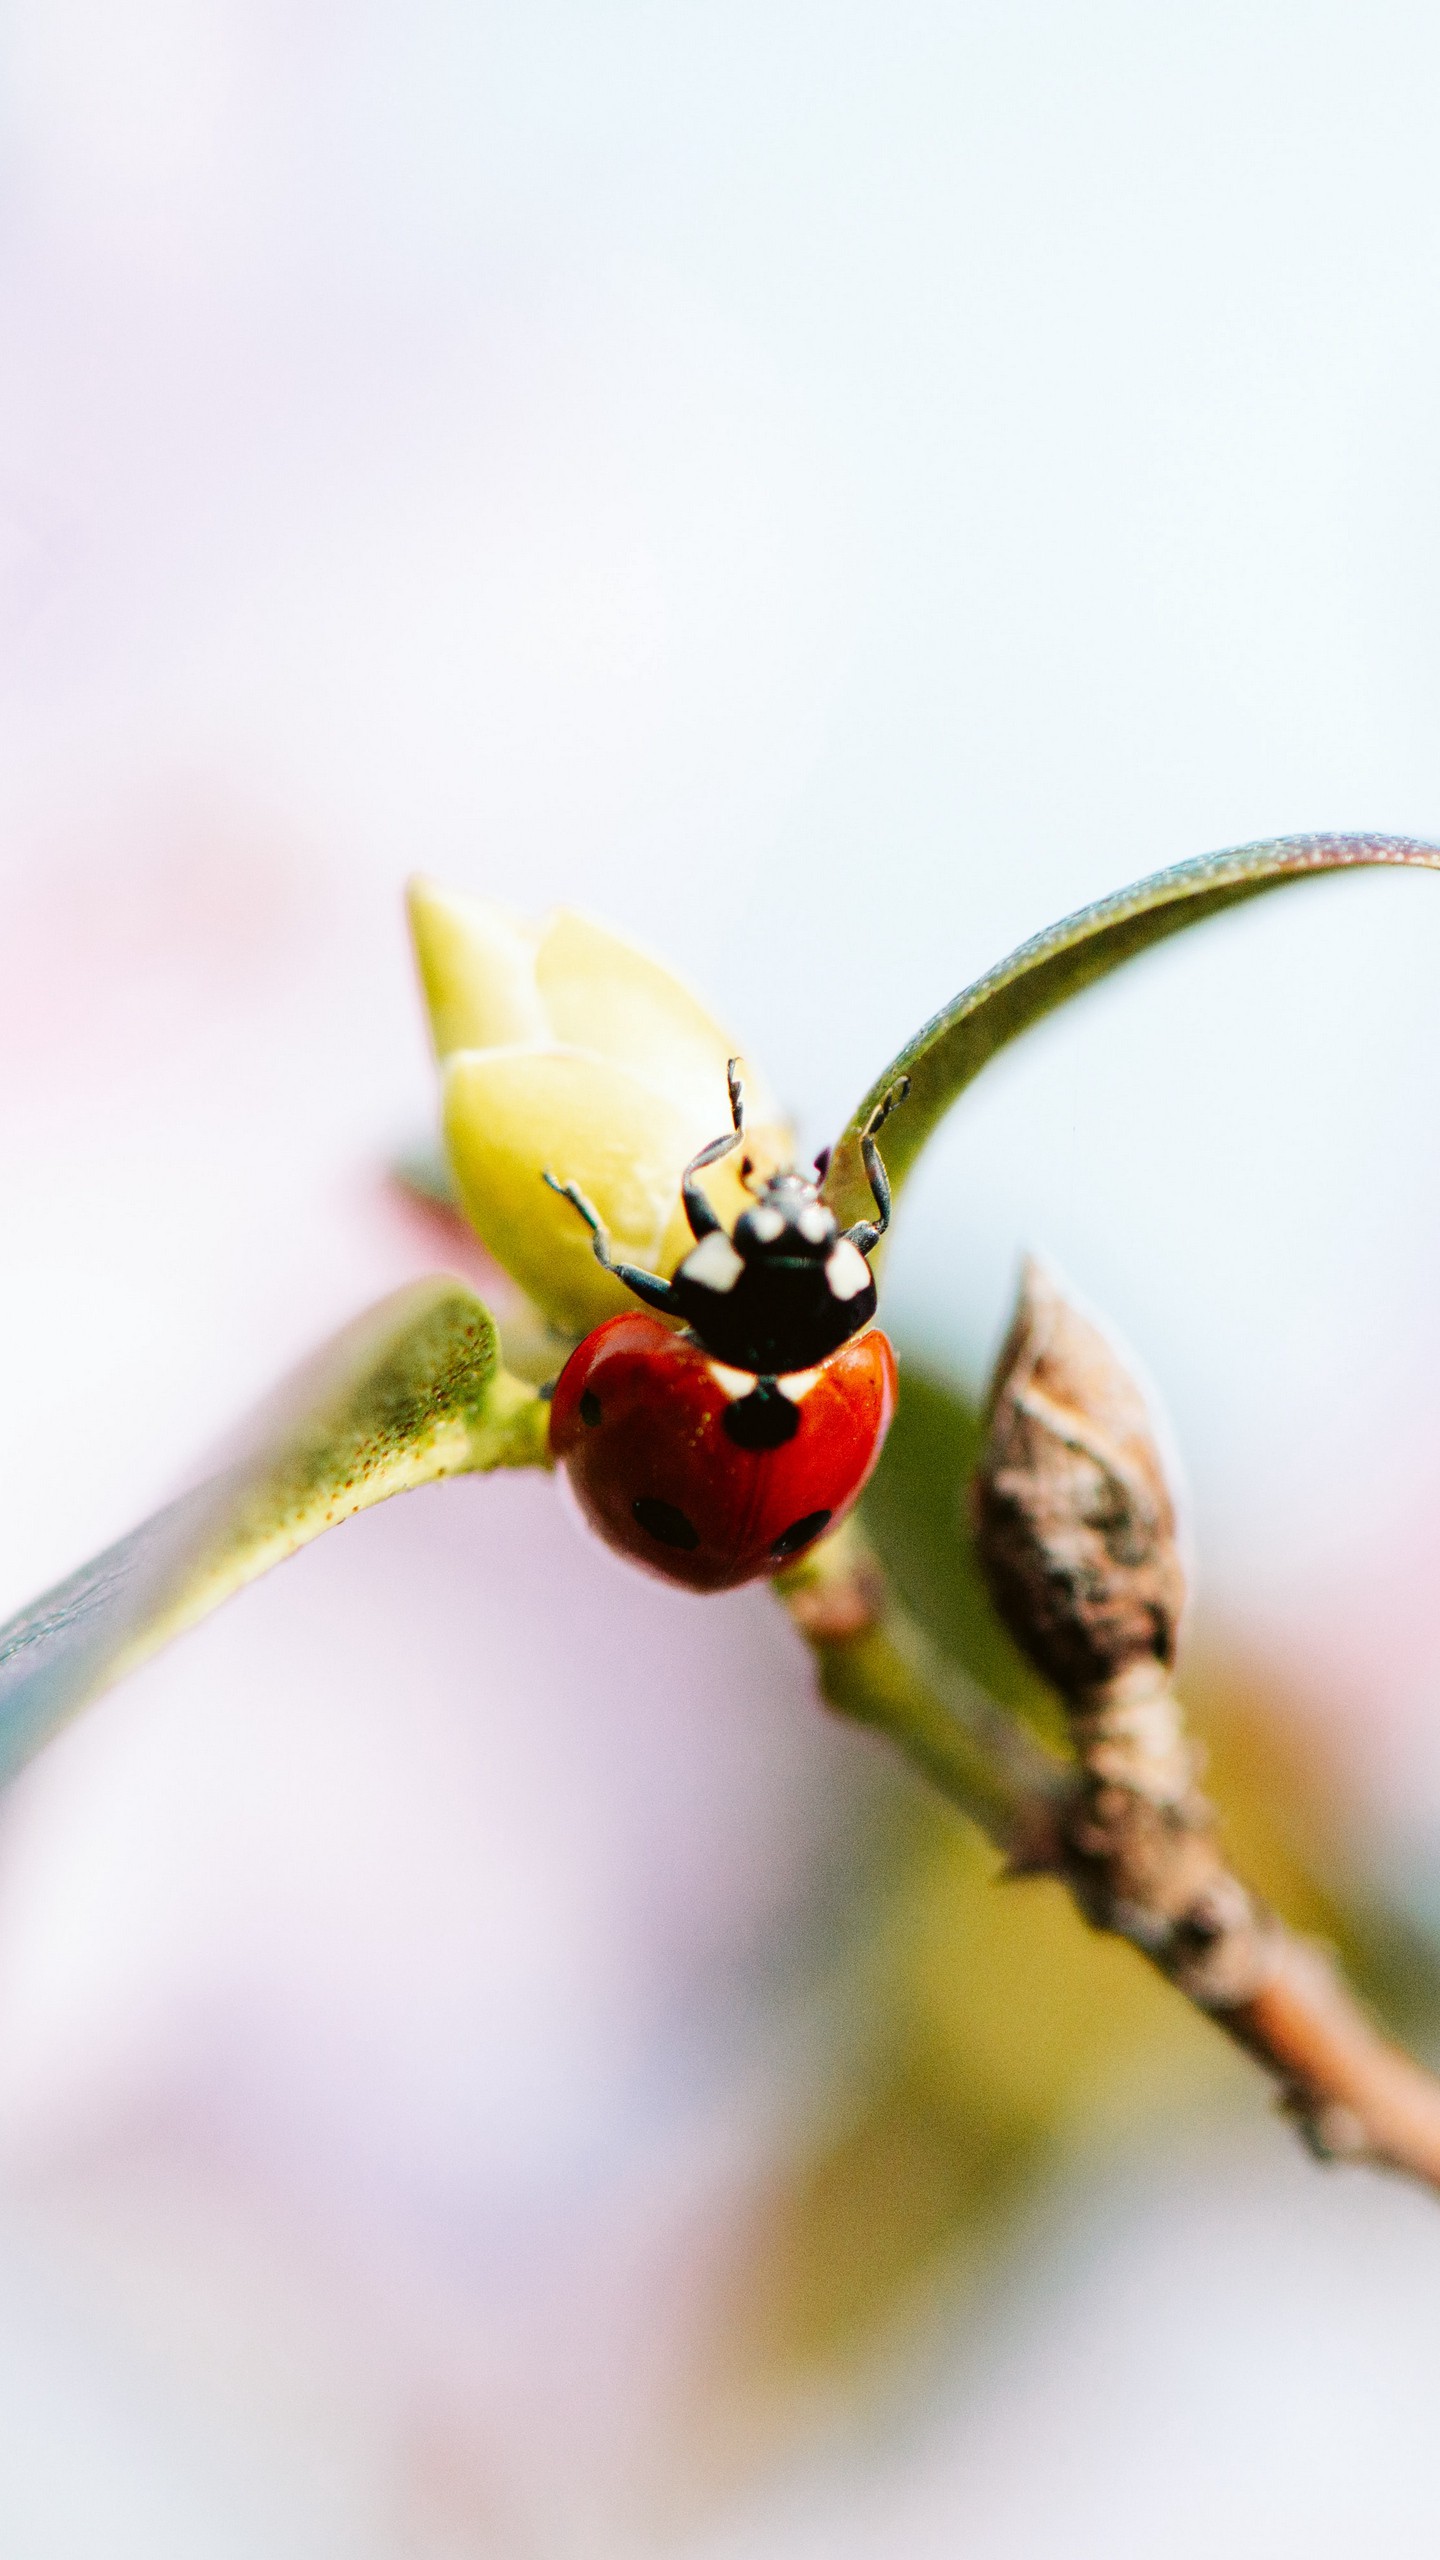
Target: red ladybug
pixel 717 1455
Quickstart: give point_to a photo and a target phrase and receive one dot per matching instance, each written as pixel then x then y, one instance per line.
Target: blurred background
pixel 484 2067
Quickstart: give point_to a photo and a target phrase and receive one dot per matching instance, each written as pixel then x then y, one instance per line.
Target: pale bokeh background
pixel 829 489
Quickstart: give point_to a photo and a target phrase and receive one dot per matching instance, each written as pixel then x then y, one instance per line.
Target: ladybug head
pixel 788 1222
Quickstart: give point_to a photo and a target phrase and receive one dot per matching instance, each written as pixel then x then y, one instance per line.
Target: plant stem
pixel 878 1668
pixel 1127 1829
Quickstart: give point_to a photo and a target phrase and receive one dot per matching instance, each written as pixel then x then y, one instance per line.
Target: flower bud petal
pixel 569 1051
pixel 477 968
pixel 601 993
pixel 511 1115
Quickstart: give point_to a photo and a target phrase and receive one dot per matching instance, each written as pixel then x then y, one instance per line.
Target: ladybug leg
pixel 703 1221
pixel 644 1284
pixel 867 1232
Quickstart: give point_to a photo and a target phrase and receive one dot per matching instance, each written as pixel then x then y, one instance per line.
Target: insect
pixel 715 1455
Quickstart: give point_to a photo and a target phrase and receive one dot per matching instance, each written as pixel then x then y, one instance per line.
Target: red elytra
pixel 639 1423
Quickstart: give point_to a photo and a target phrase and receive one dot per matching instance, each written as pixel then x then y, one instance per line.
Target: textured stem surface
pixel 1144 1860
pixel 1137 1843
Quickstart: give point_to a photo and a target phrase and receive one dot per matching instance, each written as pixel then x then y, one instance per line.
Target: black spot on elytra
pixel 590 1407
pixel 765 1419
pixel 665 1522
pixel 799 1534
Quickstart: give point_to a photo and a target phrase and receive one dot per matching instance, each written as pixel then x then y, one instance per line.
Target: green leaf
pixel 1044 973
pixel 412 1391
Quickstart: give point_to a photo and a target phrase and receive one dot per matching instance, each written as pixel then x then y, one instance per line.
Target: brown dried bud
pixel 1073 1515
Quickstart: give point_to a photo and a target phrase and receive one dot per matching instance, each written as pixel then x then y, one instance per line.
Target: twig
pixel 1144 1860
pixel 1075 1526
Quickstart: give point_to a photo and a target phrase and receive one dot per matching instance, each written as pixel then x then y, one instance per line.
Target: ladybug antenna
pixel 867 1232
pixel 747 1176
pixel 822 1163
pixel 701 1216
pixel 899 1092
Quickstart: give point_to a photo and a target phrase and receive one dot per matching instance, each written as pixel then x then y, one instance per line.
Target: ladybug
pixel 718 1454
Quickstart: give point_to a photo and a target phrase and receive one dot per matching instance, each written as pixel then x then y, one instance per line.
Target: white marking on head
pixel 847 1270
pixel 714 1263
pixel 815 1223
pixel 765 1225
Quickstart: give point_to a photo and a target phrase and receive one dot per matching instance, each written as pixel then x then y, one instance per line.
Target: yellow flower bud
pixel 564 1049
